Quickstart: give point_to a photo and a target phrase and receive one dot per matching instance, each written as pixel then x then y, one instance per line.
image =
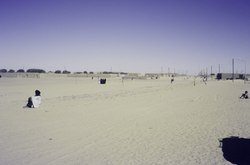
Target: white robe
pixel 36 100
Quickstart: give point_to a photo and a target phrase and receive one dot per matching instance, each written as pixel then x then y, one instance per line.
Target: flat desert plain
pixel 129 122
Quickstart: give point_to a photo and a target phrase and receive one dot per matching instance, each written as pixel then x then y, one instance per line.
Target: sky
pixel 182 36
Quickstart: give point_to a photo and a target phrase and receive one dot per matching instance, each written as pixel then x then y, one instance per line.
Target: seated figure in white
pixel 34 101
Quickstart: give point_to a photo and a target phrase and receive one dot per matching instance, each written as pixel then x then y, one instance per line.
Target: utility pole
pixel 211 75
pixel 245 72
pixel 233 69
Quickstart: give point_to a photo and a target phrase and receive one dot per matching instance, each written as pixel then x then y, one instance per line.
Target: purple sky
pixel 125 35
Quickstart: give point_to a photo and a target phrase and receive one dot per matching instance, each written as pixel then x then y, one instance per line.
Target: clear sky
pixel 125 35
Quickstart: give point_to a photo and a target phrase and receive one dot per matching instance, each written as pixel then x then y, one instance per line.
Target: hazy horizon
pixel 125 36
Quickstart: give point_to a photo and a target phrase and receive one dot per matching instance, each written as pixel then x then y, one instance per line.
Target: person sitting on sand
pixel 244 95
pixel 34 101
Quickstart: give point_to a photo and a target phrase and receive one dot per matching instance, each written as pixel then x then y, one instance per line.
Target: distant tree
pixel 35 71
pixel 123 73
pixel 66 72
pixel 78 73
pixel 11 71
pixel 91 72
pixel 20 71
pixel 3 70
pixel 85 72
pixel 58 72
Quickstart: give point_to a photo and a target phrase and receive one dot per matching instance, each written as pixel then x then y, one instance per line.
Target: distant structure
pixel 230 76
pixel 20 75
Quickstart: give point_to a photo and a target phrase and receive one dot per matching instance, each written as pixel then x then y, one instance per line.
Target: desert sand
pixel 134 122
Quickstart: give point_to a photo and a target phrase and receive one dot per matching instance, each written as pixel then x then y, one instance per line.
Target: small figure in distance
pixel 205 80
pixel 172 79
pixel 244 95
pixel 34 101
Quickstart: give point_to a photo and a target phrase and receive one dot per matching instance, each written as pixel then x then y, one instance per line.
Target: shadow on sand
pixel 236 150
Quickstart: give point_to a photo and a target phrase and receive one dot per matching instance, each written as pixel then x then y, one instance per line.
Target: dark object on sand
pixel 236 150
pixel 172 80
pixel 102 81
pixel 244 95
pixel 30 103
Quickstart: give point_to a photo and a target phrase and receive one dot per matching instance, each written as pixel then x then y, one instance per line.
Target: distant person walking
pixel 34 101
pixel 205 80
pixel 244 95
pixel 172 79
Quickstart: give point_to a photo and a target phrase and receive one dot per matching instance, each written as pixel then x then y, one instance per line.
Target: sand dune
pixel 139 122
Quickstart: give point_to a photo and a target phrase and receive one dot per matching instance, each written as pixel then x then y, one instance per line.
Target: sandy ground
pixel 137 122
